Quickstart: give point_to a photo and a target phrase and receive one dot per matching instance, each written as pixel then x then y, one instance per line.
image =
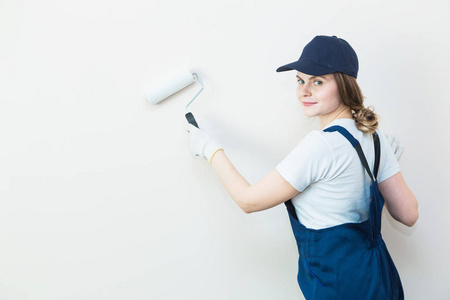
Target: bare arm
pixel 270 191
pixel 400 201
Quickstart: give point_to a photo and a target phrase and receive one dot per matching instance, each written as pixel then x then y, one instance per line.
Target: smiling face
pixel 319 96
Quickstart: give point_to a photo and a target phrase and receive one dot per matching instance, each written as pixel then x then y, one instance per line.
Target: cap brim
pixel 288 67
pixel 306 67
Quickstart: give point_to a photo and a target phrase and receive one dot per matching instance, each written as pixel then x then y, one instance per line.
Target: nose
pixel 303 90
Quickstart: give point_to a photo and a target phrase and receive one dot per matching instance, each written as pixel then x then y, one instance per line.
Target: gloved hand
pixel 202 144
pixel 395 145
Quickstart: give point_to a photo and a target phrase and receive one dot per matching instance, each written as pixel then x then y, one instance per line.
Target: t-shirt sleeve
pixel 308 162
pixel 389 165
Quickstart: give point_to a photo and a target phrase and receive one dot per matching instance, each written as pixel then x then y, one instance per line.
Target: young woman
pixel 330 182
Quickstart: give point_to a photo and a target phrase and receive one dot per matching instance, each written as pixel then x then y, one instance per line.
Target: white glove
pixel 395 145
pixel 202 144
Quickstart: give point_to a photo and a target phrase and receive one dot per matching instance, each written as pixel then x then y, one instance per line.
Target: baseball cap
pixel 325 55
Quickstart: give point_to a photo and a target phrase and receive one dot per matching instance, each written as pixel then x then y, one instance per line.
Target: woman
pixel 336 205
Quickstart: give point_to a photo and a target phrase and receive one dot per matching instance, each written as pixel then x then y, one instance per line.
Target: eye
pixel 300 81
pixel 318 82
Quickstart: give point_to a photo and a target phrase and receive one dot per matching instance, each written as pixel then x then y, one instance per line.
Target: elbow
pixel 412 219
pixel 413 216
pixel 247 211
pixel 246 204
pixel 406 217
pixel 247 208
pixel 246 201
pixel 410 223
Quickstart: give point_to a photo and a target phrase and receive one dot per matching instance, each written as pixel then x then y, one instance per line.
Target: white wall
pixel 100 196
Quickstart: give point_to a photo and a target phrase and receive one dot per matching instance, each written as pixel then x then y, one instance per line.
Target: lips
pixel 308 103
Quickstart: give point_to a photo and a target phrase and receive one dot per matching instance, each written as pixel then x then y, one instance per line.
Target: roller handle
pixel 191 120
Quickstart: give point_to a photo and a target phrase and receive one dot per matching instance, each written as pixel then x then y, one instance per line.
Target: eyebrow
pixel 312 77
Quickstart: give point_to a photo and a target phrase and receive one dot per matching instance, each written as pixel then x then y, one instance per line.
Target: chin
pixel 309 114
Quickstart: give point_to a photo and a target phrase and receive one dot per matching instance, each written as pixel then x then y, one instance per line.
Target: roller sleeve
pixel 169 86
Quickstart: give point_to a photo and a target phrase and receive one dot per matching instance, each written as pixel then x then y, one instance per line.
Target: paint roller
pixel 172 84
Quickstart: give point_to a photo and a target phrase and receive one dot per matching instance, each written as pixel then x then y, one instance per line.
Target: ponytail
pixel 366 120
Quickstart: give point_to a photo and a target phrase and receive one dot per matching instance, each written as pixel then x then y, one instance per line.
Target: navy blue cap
pixel 325 55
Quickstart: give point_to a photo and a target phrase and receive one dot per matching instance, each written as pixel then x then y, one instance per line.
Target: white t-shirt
pixel 326 169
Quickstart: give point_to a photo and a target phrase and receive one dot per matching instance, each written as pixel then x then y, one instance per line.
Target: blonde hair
pixel 366 120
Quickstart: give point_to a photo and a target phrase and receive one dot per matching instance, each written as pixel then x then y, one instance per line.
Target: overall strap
pixel 355 143
pixel 376 141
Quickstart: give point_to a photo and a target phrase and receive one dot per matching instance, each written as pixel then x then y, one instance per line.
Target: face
pixel 319 95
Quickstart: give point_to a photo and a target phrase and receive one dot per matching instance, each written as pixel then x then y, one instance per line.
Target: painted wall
pixel 100 196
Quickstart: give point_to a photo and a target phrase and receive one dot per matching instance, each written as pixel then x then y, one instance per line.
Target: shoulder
pixel 316 142
pixel 389 165
pixel 308 162
pixel 335 137
pixel 382 137
pixel 384 144
pixel 314 148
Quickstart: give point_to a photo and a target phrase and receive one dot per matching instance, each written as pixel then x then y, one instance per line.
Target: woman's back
pixel 334 186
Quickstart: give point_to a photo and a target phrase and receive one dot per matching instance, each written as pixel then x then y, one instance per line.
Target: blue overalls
pixel 347 261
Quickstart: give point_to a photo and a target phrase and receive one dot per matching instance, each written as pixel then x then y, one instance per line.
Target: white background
pixel 100 196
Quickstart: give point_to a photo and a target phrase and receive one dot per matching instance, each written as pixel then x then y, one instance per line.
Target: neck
pixel 342 112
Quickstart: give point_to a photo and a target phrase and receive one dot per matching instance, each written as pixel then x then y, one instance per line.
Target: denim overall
pixel 347 261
